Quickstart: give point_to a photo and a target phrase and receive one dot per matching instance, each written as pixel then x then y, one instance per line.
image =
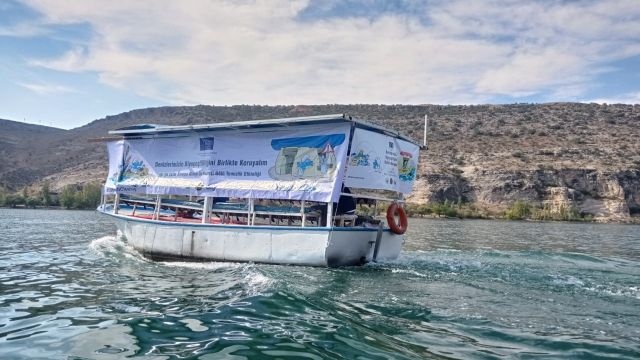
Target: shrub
pixel 67 197
pixel 32 202
pixel 45 194
pixel 13 200
pixel 518 211
pixel 87 197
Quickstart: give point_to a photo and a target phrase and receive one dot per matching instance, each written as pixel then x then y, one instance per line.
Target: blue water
pixel 70 289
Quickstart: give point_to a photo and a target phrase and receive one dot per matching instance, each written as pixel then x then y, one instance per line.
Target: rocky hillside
pixel 585 156
pixel 20 147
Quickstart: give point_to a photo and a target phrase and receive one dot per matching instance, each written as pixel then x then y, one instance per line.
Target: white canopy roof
pixel 153 129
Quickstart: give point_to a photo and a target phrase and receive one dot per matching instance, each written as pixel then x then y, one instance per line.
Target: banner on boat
pixel 115 152
pixel 381 162
pixel 301 163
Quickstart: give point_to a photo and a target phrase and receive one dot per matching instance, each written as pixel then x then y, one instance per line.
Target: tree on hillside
pixel 67 197
pixel 87 197
pixel 32 202
pixel 12 200
pixel 45 194
pixel 91 195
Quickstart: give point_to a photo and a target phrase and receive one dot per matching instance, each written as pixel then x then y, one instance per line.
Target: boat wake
pixel 114 246
pixel 249 279
pixel 197 265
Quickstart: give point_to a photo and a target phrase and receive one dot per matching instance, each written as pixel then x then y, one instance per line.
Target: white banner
pixel 381 162
pixel 298 163
pixel 114 150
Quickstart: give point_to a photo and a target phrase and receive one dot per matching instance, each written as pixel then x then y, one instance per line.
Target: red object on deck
pixel 180 219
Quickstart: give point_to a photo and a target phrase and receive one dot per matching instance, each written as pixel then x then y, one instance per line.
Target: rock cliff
pixel 604 195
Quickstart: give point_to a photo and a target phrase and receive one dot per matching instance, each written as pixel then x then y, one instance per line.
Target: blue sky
pixel 65 63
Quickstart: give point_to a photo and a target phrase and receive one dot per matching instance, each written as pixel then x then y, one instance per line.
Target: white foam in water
pixel 612 290
pixel 105 244
pixel 212 265
pixel 257 279
pixel 114 245
pixel 410 272
pixel 567 280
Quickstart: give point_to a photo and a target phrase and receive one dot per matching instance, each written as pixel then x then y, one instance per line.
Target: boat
pixel 278 191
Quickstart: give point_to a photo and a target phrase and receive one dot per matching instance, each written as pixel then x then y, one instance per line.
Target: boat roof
pixel 153 129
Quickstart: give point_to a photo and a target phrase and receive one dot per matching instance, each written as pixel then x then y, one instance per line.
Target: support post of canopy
pixel 329 214
pixel 304 214
pixel 206 206
pixel 116 203
pixel 250 213
pixel 156 212
pixel 377 243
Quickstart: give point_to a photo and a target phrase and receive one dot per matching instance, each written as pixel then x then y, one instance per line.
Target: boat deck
pixel 181 219
pixel 226 213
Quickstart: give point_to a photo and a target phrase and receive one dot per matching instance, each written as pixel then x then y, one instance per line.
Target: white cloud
pixel 628 98
pixel 23 30
pixel 47 89
pixel 259 51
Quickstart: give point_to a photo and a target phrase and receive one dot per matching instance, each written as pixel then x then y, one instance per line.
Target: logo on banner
pixel 406 167
pixel 365 156
pixel 206 144
pixel 131 167
pixel 306 157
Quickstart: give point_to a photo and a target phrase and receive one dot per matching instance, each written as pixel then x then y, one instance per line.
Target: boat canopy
pixel 304 158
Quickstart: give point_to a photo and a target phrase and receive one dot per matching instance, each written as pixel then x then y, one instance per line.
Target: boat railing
pixel 155 209
pixel 247 211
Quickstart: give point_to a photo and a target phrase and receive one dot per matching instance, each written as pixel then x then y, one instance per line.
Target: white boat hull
pixel 315 246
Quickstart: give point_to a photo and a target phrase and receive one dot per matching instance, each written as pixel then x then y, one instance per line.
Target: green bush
pixel 45 195
pixel 67 197
pixel 518 211
pixel 447 208
pixel 570 213
pixel 85 197
pixel 521 210
pixel 32 202
pixel 12 200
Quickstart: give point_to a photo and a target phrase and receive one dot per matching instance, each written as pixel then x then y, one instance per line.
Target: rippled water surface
pixel 70 289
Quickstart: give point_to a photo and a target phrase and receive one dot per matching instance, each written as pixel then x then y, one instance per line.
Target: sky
pixel 64 63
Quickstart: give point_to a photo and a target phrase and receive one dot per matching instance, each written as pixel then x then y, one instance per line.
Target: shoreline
pixel 57 208
pixel 631 221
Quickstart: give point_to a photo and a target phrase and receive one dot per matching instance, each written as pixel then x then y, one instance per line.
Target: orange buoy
pixel 393 211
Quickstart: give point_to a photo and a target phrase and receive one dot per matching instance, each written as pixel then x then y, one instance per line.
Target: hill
pixel 20 146
pixel 583 156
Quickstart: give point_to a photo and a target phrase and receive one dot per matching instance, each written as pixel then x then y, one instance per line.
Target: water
pixel 69 289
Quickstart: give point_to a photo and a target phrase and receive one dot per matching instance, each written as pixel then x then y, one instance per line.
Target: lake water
pixel 69 289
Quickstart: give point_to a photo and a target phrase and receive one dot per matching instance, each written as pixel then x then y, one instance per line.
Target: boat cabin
pixel 294 172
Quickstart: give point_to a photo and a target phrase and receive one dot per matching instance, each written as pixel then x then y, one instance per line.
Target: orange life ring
pixel 392 211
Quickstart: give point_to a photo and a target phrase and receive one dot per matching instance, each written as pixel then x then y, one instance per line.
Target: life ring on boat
pixel 392 211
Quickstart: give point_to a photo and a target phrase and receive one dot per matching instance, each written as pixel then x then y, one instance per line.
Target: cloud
pixel 628 98
pixel 47 89
pixel 263 52
pixel 73 60
pixel 23 30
